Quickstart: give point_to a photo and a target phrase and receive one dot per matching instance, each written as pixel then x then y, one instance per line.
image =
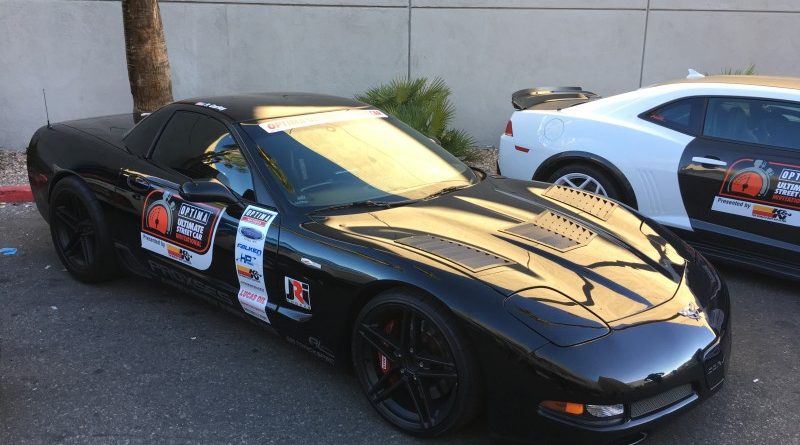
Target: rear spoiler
pixel 550 98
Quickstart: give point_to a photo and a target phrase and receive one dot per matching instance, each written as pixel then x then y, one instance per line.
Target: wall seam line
pixel 644 43
pixel 408 73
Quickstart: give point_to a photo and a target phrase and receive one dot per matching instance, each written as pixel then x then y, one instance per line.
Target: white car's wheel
pixel 582 181
pixel 587 178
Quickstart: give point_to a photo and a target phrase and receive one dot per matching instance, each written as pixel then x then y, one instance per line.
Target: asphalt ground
pixel 137 362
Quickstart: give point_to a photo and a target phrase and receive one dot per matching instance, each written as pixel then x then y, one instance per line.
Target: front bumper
pixel 634 365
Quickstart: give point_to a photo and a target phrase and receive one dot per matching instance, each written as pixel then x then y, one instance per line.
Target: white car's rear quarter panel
pixel 647 154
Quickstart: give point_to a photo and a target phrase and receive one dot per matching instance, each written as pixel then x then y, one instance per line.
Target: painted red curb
pixel 15 193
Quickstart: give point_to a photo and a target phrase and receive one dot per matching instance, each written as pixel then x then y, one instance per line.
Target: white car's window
pixel 754 121
pixel 682 115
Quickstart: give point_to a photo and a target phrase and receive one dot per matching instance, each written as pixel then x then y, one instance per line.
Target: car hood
pixel 583 252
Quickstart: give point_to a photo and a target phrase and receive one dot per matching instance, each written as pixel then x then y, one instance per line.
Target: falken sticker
pixel 249 260
pixel 756 211
pixel 297 293
pixel 309 120
pixel 763 182
pixel 179 230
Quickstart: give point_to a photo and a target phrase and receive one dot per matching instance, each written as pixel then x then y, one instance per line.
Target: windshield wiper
pixel 445 191
pixel 364 204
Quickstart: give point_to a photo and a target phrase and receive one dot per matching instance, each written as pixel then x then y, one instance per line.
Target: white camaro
pixel 717 158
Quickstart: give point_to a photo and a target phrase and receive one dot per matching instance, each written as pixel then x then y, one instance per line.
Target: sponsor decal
pixel 763 182
pixel 178 229
pixel 212 106
pixel 246 259
pixel 247 272
pixel 249 260
pixel 297 293
pixel 250 248
pixel 756 211
pixel 249 232
pixel 309 120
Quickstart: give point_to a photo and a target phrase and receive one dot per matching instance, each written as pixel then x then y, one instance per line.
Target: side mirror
pixel 208 191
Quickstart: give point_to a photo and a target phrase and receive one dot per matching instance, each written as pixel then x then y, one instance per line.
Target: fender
pixel 563 158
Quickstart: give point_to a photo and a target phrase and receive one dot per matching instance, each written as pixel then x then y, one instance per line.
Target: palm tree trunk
pixel 146 53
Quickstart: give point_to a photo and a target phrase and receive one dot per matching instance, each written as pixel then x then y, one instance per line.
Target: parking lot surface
pixel 136 362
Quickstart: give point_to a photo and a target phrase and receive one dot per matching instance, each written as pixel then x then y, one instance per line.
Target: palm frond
pixel 425 106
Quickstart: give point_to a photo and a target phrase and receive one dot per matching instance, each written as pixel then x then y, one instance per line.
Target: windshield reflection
pixel 333 163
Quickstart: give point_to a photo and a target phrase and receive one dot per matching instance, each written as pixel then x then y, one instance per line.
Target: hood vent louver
pixel 470 257
pixel 594 205
pixel 554 231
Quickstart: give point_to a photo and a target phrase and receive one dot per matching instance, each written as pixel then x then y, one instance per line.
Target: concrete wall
pixel 484 49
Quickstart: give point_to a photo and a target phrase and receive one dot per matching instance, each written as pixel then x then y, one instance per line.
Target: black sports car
pixel 559 314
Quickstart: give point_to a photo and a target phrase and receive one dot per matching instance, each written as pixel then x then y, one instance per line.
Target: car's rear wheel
pixel 79 232
pixel 587 178
pixel 413 365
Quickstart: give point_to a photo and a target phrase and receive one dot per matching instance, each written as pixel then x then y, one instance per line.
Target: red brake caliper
pixel 383 361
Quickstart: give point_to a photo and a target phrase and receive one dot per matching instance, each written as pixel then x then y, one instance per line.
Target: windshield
pixel 340 157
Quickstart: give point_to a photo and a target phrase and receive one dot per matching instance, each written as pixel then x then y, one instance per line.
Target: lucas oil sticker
pixel 249 258
pixel 297 293
pixel 179 230
pixel 761 189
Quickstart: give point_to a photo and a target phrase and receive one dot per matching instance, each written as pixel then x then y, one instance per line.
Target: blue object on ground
pixel 6 251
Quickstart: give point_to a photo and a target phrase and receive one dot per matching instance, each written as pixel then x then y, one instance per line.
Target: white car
pixel 716 158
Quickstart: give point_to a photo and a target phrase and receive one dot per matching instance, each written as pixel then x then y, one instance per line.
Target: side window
pixel 682 115
pixel 200 147
pixel 754 121
pixel 140 138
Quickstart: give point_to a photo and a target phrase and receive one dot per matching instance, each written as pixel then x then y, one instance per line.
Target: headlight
pixel 605 410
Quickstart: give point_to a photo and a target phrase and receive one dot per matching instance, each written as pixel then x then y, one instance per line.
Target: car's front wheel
pixel 587 178
pixel 413 364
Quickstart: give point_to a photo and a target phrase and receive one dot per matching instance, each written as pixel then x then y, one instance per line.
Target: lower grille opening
pixel 660 401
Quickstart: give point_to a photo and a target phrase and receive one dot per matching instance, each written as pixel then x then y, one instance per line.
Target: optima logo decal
pixel 763 182
pixel 172 219
pixel 752 181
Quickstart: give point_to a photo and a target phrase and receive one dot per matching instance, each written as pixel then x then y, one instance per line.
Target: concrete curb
pixel 15 193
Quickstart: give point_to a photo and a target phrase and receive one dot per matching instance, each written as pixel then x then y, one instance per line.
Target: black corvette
pixel 561 315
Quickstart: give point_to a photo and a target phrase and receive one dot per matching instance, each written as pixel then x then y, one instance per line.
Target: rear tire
pixel 587 178
pixel 414 365
pixel 79 232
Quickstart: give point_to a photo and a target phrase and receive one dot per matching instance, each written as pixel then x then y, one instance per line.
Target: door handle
pixel 709 160
pixel 138 183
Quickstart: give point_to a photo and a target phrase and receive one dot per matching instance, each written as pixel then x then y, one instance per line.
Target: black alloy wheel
pixel 414 368
pixel 79 233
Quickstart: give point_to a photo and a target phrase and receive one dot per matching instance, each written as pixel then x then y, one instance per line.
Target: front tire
pixel 79 232
pixel 413 364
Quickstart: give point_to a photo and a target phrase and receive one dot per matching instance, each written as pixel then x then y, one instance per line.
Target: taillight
pixel 509 129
